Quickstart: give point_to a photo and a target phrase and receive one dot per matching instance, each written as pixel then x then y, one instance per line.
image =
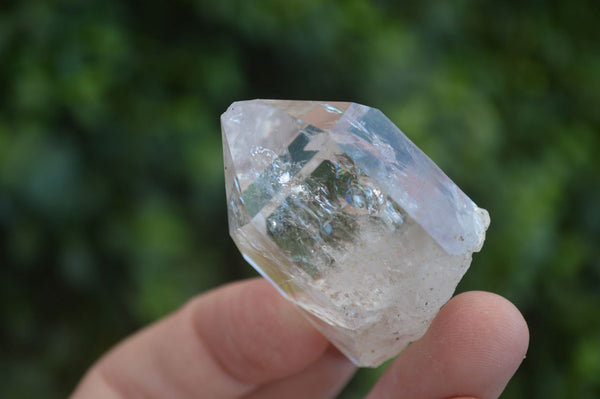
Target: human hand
pixel 244 340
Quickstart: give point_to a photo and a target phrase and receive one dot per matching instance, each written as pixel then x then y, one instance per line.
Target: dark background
pixel 112 205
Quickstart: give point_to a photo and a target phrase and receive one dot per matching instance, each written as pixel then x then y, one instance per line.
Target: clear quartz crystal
pixel 348 219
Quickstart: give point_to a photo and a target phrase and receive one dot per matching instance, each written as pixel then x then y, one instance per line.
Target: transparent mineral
pixel 337 208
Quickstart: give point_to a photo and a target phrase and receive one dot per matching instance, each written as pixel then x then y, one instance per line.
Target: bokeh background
pixel 112 204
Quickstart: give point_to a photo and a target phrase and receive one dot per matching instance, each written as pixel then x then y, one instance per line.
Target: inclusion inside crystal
pixel 348 219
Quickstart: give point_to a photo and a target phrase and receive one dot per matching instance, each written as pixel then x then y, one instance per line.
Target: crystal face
pixel 337 208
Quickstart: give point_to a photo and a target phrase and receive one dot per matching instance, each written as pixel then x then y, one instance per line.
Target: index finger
pixel 224 344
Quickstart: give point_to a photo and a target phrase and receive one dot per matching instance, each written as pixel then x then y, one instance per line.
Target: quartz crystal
pixel 348 219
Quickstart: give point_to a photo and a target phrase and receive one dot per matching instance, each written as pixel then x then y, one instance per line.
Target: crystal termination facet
pixel 348 219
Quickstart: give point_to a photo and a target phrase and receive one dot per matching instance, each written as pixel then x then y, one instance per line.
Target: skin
pixel 244 340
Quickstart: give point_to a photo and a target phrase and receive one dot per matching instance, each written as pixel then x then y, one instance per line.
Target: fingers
pixel 472 349
pixel 323 379
pixel 246 340
pixel 224 344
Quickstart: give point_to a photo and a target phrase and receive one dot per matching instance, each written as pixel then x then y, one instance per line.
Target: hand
pixel 245 341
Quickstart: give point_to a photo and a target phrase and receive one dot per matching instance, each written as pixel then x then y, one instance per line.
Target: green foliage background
pixel 111 186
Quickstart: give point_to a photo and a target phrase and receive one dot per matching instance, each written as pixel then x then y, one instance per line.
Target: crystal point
pixel 348 219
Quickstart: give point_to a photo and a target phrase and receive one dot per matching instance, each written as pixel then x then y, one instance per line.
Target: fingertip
pixel 491 321
pixel 256 334
pixel 472 348
pixel 483 338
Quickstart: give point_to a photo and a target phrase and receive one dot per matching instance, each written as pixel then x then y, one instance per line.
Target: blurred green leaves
pixel 111 189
